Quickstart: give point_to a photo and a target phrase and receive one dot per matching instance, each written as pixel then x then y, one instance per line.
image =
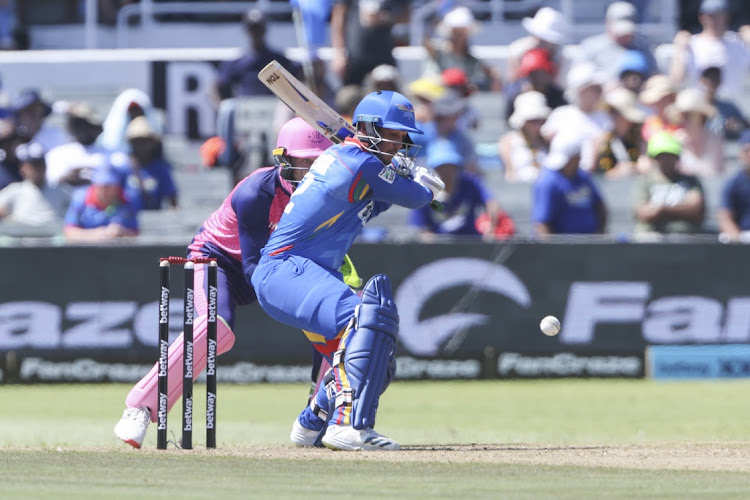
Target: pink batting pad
pixel 145 392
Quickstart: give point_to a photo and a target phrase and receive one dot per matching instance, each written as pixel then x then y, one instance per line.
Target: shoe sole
pixel 335 445
pixel 133 443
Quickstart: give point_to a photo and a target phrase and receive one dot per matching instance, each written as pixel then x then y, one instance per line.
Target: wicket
pixel 188 366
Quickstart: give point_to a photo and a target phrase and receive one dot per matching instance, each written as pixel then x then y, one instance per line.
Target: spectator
pixel 565 198
pixel 713 46
pixel 455 79
pixel 127 106
pixel 30 112
pixel 702 150
pixel 361 36
pixel 73 163
pixel 383 77
pixel 658 95
pixel 734 211
pixel 447 110
pixel 99 212
pixel 584 90
pixel 457 27
pixel 666 200
pixel 9 141
pixel 523 149
pixel 728 122
pixel 536 72
pixel 347 99
pixel 605 50
pixel 547 30
pixel 240 77
pixel 149 182
pixel 621 148
pixel 634 71
pixel 31 207
pixel 464 197
pixel 424 92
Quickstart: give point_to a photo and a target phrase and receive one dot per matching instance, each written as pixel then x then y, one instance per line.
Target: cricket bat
pixel 305 103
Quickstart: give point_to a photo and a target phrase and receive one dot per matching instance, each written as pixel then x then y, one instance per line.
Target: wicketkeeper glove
pixel 351 278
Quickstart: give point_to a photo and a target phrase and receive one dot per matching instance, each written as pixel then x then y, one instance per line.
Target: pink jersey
pixel 246 217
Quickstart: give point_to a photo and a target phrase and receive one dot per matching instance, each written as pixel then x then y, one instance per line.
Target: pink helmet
pixel 301 140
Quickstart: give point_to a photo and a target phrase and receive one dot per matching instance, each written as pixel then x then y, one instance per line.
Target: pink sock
pixel 145 392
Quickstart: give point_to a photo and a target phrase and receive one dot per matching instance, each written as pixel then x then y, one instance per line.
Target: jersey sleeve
pixel 389 187
pixel 73 214
pixel 251 204
pixel 127 217
pixel 544 206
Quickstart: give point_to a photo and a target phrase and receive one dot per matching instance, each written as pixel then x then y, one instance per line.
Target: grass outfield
pixel 521 439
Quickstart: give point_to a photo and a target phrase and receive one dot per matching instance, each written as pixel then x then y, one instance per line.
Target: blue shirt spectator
pixel 464 197
pixel 99 211
pixel 565 198
pixel 734 212
pixel 148 177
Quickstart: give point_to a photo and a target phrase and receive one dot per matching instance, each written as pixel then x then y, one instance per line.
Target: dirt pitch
pixel 702 456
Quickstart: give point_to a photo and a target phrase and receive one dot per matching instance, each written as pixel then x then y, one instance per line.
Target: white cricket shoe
pixel 302 436
pixel 346 437
pixel 133 425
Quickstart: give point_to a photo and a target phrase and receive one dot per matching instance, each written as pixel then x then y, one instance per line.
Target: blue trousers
pixel 298 292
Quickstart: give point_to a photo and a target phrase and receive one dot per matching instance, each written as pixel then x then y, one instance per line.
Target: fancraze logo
pixel 425 337
pixel 677 319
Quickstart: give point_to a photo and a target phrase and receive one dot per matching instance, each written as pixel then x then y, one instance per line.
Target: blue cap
pixel 713 6
pixel 105 176
pixel 634 60
pixel 744 137
pixel 443 152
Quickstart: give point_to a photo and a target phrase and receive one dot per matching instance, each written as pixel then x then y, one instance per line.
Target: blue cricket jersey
pixel 345 187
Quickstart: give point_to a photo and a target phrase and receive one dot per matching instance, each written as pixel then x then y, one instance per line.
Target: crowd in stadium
pixel 610 111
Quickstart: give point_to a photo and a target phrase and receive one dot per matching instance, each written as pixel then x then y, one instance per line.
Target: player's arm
pixel 389 187
pixel 251 204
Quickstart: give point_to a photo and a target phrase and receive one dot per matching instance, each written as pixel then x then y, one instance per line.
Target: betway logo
pixel 211 358
pixel 189 306
pixel 164 306
pixel 212 304
pixel 188 361
pixel 163 350
pixel 188 415
pixel 162 411
pixel 210 410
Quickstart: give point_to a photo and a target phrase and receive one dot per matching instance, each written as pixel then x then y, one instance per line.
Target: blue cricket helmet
pixel 386 109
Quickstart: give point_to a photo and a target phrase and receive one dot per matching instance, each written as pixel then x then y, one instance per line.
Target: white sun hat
pixel 564 146
pixel 531 105
pixel 693 100
pixel 460 17
pixel 548 25
pixel 625 102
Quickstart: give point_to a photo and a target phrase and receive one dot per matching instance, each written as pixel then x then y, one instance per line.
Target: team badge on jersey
pixel 388 174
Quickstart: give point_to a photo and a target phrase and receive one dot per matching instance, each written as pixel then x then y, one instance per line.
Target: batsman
pixel 298 282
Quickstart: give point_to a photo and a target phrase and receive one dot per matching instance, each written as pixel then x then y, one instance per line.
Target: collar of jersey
pixel 356 142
